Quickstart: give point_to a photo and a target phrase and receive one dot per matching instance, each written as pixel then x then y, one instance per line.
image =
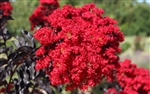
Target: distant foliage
pixel 125 46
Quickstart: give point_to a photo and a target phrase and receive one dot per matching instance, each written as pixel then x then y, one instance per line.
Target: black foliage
pixel 4 0
pixel 17 65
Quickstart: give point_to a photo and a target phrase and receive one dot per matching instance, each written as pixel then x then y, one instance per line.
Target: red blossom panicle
pixel 81 46
pixel 52 3
pixel 111 91
pixel 40 14
pixel 3 89
pixel 133 80
pixel 6 8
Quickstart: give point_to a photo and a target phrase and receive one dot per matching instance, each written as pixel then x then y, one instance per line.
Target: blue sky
pixel 147 1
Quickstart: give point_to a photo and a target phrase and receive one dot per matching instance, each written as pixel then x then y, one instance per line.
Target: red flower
pixel 6 8
pixel 133 79
pixel 43 62
pixel 40 14
pixel 53 3
pixel 80 44
pixel 2 90
pixel 111 90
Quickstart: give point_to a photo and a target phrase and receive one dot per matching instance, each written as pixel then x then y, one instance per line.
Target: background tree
pixel 21 12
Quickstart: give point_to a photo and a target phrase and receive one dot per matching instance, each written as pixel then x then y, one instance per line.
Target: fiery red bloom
pixel 2 90
pixel 132 79
pixel 80 46
pixel 52 3
pixel 40 14
pixel 6 8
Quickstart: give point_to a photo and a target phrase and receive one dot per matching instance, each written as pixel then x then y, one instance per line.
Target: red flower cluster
pixel 79 47
pixel 53 3
pixel 40 14
pixel 6 8
pixel 133 80
pixel 113 91
pixel 2 90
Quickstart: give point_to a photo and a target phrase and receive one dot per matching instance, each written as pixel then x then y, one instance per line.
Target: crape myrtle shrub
pixel 78 48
